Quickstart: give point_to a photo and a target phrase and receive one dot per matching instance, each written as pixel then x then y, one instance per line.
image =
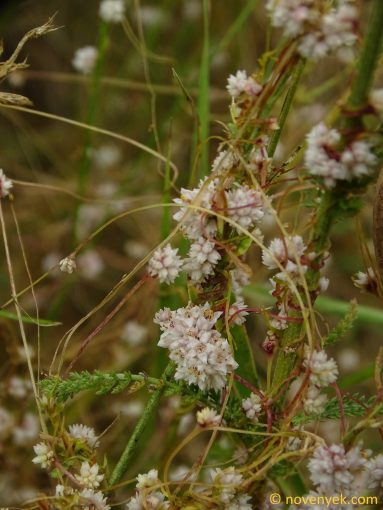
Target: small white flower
pixel 238 312
pixel 323 284
pixel 314 401
pixel 364 280
pixel 5 184
pixel 87 434
pixel 252 407
pixel 374 468
pixel 60 490
pixel 283 251
pixel 196 223
pixel 85 59
pixel 68 265
pixel 202 258
pixel 333 470
pixel 147 480
pixel 166 264
pixel 97 500
pixel 134 333
pixel 245 206
pixel 224 161
pixel 44 455
pixel 89 477
pixel 208 418
pixel 241 83
pixel 202 356
pixel 323 370
pixel 112 11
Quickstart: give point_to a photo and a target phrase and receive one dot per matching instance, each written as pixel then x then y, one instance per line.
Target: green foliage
pixel 343 326
pixel 101 383
pixel 353 405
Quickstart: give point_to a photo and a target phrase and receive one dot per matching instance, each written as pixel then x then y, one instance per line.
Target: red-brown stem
pixel 299 393
pixel 108 318
pixel 249 386
pixel 341 408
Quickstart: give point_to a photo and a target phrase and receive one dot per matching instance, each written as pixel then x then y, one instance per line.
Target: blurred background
pixel 53 162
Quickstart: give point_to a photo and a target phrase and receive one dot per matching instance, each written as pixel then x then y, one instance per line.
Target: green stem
pixel 368 58
pixel 127 455
pixel 327 211
pixel 297 74
pixel 203 97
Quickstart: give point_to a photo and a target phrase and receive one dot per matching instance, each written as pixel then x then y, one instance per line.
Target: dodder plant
pixel 211 366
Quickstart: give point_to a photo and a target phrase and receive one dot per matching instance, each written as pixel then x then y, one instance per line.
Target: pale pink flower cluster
pixel 285 252
pixel 202 356
pixel 325 160
pixel 224 161
pixel 227 490
pixel 335 471
pixel 252 407
pixel 245 206
pixel 320 29
pixel 323 371
pixel 148 495
pixel 165 263
pixel 239 83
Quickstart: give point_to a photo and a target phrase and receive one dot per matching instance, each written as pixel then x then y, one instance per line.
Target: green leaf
pixel 244 356
pixel 29 320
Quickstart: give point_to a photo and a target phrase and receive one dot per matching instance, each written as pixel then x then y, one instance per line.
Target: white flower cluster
pixel 227 489
pixel 323 371
pixel 321 30
pixel 286 252
pixel 5 184
pixel 68 265
pixel 44 455
pixel 335 471
pixel 202 258
pixel 165 264
pixel 201 354
pixel 112 11
pixel 239 83
pixel 85 59
pixel 324 159
pixel 83 433
pixel 365 280
pixel 225 161
pixel 245 206
pixel 208 418
pixel 147 495
pixel 94 499
pixel 252 407
pixel 89 477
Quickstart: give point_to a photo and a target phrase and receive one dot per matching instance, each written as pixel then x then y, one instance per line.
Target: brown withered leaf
pixel 14 99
